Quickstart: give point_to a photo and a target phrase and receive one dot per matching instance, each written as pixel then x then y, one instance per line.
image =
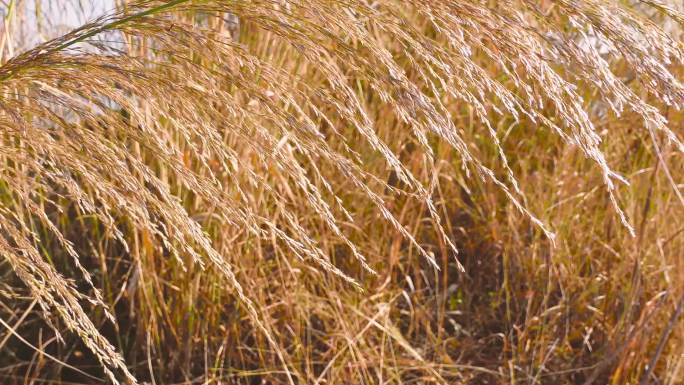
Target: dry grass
pixel 344 192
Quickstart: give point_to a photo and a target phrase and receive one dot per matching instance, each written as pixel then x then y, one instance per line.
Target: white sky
pixel 34 21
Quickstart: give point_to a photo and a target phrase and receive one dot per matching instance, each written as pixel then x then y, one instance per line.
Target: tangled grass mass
pixel 342 192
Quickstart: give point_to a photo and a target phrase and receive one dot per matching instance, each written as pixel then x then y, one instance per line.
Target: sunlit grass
pixel 345 192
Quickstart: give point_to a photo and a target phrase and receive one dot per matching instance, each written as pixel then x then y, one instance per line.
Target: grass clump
pixel 344 192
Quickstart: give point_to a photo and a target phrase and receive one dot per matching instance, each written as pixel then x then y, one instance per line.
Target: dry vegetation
pixel 343 192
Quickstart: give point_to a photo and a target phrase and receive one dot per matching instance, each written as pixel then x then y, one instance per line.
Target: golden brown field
pixel 342 192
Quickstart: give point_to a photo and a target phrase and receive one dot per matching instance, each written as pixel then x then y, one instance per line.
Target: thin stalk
pixel 117 23
pixel 663 340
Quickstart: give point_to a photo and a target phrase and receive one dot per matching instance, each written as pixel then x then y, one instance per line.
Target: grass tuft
pixel 328 191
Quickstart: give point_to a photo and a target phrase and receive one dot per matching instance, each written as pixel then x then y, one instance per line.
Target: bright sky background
pixel 35 21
